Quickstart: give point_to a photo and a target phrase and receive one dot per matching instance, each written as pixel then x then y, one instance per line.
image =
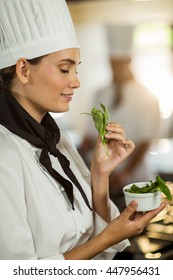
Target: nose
pixel 75 82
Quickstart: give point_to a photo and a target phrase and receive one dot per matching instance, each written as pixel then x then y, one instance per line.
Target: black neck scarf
pixel 44 136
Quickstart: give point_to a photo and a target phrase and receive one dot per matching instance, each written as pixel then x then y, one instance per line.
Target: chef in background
pixel 131 104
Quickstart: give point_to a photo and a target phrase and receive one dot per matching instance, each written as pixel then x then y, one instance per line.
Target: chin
pixel 66 109
pixel 62 110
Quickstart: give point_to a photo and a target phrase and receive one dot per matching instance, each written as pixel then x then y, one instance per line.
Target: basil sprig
pixel 158 185
pixel 100 119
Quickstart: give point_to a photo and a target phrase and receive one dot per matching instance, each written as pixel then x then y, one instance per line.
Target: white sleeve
pixel 99 225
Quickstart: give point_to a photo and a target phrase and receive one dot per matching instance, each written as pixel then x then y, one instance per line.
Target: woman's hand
pixel 107 157
pixel 129 223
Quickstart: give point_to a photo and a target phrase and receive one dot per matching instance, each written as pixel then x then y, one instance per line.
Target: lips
pixel 69 94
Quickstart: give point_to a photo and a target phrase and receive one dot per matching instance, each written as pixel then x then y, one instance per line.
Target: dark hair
pixel 7 74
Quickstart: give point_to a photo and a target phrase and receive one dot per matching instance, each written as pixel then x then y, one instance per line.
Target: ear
pixel 22 70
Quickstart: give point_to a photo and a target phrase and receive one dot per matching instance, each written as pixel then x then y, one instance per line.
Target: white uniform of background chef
pixel 130 104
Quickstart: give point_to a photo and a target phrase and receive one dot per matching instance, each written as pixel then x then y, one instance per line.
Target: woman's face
pixel 51 83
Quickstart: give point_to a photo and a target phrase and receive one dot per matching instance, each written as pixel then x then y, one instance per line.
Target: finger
pixel 117 134
pixel 115 128
pixel 111 124
pixel 130 209
pixel 114 136
pixel 151 214
pixel 128 144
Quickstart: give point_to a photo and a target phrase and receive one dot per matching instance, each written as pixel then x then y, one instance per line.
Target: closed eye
pixel 64 71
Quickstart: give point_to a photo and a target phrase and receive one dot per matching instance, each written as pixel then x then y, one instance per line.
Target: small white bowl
pixel 146 201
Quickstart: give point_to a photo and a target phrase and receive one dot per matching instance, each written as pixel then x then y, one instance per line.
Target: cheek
pixel 52 78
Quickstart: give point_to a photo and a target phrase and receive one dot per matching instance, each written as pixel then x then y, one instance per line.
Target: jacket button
pixel 83 230
pixel 86 174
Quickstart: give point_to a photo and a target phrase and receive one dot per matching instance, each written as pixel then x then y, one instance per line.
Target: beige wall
pixel 131 11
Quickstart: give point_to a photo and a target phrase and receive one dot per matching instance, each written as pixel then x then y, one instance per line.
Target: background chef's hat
pixel 32 28
pixel 120 40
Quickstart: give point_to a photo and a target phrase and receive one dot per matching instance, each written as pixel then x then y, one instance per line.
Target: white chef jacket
pixel 36 218
pixel 139 115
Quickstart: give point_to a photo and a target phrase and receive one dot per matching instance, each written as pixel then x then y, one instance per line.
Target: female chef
pixel 51 206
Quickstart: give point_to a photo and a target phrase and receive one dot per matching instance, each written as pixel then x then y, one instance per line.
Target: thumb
pixel 131 209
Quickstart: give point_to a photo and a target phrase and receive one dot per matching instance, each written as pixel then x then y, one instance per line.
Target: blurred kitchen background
pixel 152 63
pixel 153 66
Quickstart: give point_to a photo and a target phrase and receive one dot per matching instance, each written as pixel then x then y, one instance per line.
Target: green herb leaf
pixel 163 187
pixel 100 118
pixel 158 185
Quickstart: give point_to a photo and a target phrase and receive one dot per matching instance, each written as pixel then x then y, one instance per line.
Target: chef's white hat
pixel 120 40
pixel 32 28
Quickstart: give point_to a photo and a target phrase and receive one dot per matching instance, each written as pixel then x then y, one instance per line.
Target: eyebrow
pixel 70 61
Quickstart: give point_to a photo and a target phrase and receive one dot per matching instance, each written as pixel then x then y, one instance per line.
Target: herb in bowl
pixel 154 186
